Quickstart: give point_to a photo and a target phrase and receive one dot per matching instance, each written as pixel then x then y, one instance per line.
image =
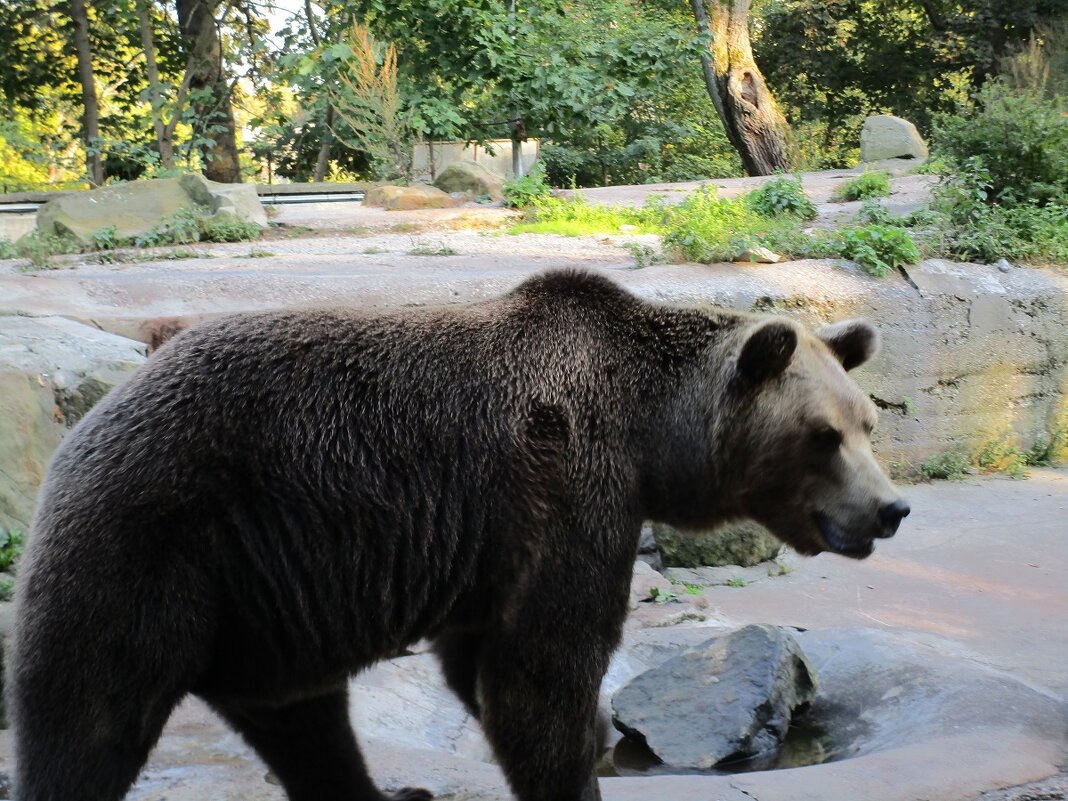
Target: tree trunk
pixel 164 133
pixel 322 163
pixel 91 115
pixel 214 110
pixel 752 119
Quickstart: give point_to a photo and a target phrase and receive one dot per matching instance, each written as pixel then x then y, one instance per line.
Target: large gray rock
pixel 745 543
pixel 885 136
pixel 729 698
pixel 472 179
pixel 135 208
pixel 52 370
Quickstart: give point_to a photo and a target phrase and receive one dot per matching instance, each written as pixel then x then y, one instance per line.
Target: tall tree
pixel 755 125
pixel 210 89
pixel 322 162
pixel 91 107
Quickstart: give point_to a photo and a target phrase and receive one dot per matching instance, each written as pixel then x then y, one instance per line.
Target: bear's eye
pixel 827 438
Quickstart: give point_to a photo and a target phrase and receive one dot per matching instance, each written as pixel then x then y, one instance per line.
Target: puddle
pixel 807 743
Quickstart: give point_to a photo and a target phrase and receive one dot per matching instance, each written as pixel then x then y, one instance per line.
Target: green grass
pixel 423 249
pixel 706 228
pixel 863 187
pixel 998 455
pixel 736 582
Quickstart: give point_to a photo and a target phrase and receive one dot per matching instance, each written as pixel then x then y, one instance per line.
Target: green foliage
pixel 736 582
pixel 193 225
pixel 952 465
pixel 873 212
pixel 644 255
pixel 7 589
pixel 11 542
pixel 227 228
pixel 519 193
pixel 105 238
pixel 41 249
pixel 1020 139
pixel 782 195
pixel 863 187
pixel 181 228
pixel 658 596
pixel 7 248
pixel 877 248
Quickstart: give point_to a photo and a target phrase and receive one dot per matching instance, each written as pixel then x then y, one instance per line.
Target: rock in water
pixel 885 136
pixel 728 698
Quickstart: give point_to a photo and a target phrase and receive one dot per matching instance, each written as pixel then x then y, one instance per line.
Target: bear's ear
pixel 767 351
pixel 853 342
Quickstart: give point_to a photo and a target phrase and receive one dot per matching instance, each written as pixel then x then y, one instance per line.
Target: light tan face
pixel 812 479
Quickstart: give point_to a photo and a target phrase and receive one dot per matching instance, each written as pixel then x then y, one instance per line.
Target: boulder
pixel 745 543
pixel 731 697
pixel 472 179
pixel 758 255
pixel 135 208
pixel 885 136
pixel 52 370
pixel 404 198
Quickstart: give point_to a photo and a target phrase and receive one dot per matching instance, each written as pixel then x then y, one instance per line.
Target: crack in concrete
pixel 746 793
pixel 902 407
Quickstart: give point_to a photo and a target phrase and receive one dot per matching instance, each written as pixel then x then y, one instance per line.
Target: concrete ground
pixel 975 582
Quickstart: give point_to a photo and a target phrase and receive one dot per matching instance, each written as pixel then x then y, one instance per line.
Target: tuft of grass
pixel 951 465
pixel 644 255
pixel 997 455
pixel 7 589
pixel 877 248
pixel 736 582
pixel 577 217
pixel 187 226
pixel 41 249
pixel 7 249
pixel 257 253
pixel 782 195
pixel 423 249
pixel 693 589
pixel 869 185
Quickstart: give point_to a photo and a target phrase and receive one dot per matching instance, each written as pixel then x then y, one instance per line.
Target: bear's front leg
pixel 538 686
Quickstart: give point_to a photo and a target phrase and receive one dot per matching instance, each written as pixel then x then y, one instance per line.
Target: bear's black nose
pixel 891 515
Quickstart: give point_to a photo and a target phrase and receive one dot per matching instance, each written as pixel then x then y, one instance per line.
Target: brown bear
pixel 278 500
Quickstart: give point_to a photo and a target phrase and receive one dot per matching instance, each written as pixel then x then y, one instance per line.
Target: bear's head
pixel 799 441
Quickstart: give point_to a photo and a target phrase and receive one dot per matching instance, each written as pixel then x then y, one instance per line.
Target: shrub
pixel 7 248
pixel 782 195
pixel 868 185
pixel 11 541
pixel 519 193
pixel 1019 136
pixel 872 212
pixel 227 228
pixel 877 248
pixel 40 249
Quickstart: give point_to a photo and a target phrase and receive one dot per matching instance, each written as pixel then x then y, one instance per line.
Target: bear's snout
pixel 891 515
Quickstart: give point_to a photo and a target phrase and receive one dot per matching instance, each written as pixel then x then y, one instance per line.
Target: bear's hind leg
pixel 310 746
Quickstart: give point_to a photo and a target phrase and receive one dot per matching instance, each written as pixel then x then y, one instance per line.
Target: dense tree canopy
pixel 613 88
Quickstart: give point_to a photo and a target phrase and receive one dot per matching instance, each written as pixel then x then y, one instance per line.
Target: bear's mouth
pixel 838 541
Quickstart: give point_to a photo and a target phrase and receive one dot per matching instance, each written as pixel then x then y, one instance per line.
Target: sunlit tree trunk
pixel 164 138
pixel 214 109
pixel 322 163
pixel 91 110
pixel 752 119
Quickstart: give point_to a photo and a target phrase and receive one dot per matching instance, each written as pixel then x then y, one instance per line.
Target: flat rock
pixel 731 697
pixel 758 255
